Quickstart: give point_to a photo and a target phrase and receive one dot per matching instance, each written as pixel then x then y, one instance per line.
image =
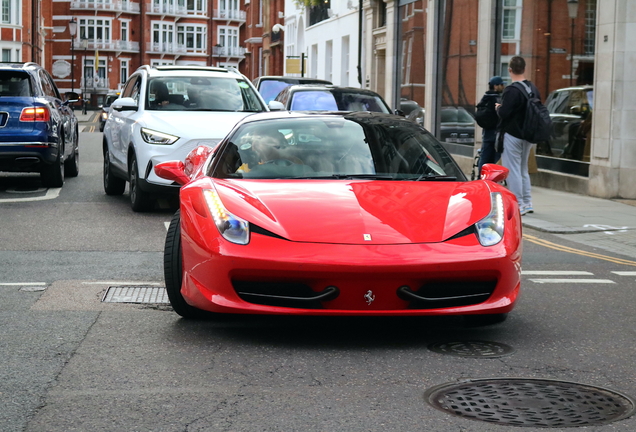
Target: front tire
pixel 173 270
pixel 140 201
pixel 71 165
pixel 112 185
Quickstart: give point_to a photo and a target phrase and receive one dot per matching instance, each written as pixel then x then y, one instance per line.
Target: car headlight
pixel 159 138
pixel 104 116
pixel 232 228
pixel 490 230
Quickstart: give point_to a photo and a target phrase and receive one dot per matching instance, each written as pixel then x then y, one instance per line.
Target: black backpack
pixel 486 115
pixel 537 126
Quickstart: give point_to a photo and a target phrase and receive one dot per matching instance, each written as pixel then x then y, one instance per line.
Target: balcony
pixel 230 15
pixel 165 48
pixel 174 10
pixel 111 45
pixel 221 51
pixel 102 84
pixel 106 5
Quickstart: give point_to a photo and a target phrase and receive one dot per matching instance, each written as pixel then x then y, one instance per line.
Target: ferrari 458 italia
pixel 339 214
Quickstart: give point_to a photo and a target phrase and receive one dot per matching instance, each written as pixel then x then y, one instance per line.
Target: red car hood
pixel 358 212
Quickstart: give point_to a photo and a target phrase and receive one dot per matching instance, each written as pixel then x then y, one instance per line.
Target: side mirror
pixel 125 104
pixel 71 97
pixel 493 172
pixel 399 112
pixel 172 170
pixel 576 109
pixel 276 106
pixel 196 159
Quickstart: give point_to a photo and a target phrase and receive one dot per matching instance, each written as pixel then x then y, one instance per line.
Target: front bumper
pixel 369 279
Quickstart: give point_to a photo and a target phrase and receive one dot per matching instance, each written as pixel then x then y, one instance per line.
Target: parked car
pixel 367 215
pixel 412 111
pixel 162 114
pixel 38 129
pixel 311 97
pixel 270 86
pixel 110 98
pixel 457 125
pixel 571 113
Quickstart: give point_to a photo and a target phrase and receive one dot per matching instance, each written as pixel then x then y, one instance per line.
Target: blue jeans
pixel 515 158
pixel 488 152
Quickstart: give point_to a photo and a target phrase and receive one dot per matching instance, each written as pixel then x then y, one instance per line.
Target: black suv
pixel 38 129
pixel 103 116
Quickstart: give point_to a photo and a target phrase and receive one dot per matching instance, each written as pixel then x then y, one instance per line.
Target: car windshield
pixel 455 115
pixel 201 94
pixel 269 89
pixel 334 147
pixel 14 83
pixel 336 100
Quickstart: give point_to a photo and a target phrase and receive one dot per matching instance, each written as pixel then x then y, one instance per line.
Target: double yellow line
pixel 541 242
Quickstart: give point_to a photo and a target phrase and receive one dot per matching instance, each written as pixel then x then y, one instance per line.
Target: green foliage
pixel 308 3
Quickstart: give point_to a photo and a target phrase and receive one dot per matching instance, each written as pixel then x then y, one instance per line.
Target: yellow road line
pixel 541 242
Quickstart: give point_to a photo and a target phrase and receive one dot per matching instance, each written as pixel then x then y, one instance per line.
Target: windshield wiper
pixel 435 177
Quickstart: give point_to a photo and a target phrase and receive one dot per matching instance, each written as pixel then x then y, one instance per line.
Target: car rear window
pixel 14 83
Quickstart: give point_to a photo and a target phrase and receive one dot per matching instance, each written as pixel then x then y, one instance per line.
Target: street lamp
pixel 84 85
pixel 573 11
pixel 72 29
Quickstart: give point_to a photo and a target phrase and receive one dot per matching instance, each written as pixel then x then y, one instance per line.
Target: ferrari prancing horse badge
pixel 369 297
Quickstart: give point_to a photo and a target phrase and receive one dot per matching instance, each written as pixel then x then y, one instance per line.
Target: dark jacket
pixel 512 111
pixel 489 99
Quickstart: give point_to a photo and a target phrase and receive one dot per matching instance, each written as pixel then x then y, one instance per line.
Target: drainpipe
pixel 360 43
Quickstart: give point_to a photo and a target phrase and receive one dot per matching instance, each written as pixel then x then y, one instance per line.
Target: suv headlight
pixel 490 230
pixel 232 228
pixel 159 138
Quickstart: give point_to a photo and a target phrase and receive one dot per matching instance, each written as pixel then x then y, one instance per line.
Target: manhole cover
pixel 472 349
pixel 531 402
pixel 135 294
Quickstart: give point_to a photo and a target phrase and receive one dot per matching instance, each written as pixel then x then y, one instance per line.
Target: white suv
pixel 162 114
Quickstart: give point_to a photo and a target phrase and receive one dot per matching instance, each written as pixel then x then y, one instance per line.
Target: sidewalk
pixel 596 222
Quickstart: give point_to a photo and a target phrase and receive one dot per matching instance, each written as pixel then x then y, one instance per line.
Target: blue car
pixel 38 129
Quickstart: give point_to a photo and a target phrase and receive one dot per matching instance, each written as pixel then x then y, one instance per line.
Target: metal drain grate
pixel 482 349
pixel 135 294
pixel 531 402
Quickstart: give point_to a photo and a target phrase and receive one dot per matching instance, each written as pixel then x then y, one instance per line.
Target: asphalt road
pixel 72 362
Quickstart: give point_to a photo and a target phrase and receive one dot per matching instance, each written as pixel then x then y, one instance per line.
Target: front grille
pixel 443 294
pixel 283 294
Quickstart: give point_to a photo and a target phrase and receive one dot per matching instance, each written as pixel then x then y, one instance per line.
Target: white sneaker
pixel 523 211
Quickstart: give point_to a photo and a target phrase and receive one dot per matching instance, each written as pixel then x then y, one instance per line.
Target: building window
pixel 328 60
pixel 6 11
pixel 196 6
pixel 95 29
pixel 124 31
pixel 381 13
pixel 511 25
pixel 590 27
pixel 319 13
pixel 162 36
pixel 123 71
pixel 344 62
pixel 193 37
pixel 228 37
pixel 6 55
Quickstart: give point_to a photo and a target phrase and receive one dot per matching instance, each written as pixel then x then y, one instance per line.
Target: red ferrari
pixel 339 214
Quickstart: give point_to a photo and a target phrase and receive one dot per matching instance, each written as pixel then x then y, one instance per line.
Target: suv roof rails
pixel 187 68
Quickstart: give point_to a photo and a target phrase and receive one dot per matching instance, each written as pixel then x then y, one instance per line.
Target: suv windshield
pixel 201 94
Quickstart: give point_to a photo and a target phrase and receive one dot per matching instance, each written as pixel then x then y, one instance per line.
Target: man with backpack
pixel 487 118
pixel 524 122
